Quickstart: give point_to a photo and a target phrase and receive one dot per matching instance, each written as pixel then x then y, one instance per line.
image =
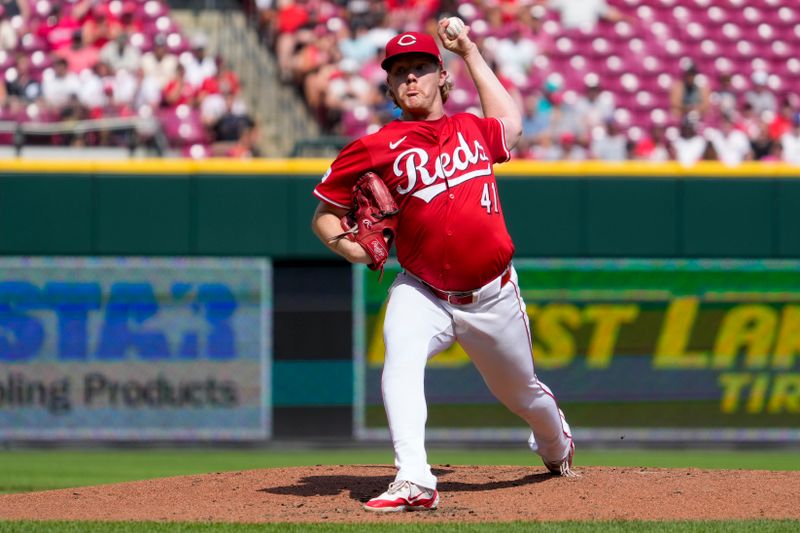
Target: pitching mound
pixel 469 493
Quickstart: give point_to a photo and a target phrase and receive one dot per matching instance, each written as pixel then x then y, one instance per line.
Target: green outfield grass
pixel 29 470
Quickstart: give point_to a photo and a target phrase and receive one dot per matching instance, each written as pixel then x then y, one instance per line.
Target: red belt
pixel 466 297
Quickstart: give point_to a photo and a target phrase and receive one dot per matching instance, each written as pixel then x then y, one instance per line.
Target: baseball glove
pixel 371 221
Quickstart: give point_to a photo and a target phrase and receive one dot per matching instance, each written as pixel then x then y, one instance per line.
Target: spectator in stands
pixel 586 13
pixel 159 64
pixel 731 145
pixel 224 81
pixel 247 144
pixel 493 14
pixel 358 44
pixel 20 86
pixel 8 35
pixel 198 64
pixel 407 15
pixel 775 153
pixel 134 92
pixel 99 26
pixel 653 147
pixel 314 66
pixel 761 143
pixel 95 88
pixel 78 56
pixel 130 90
pixel 570 148
pixel 610 144
pixel 178 90
pixel 214 91
pixel 760 96
pixel 8 10
pixel 690 147
pixel 217 104
pixel 375 17
pixel 532 17
pixel 689 94
pixel 128 22
pixel 290 17
pixel 267 15
pixel 59 85
pixel 532 125
pixel 514 54
pixel 58 28
pixel 791 142
pixel 119 53
pixel 385 111
pixel 594 107
pixel 782 121
pixel 233 125
pixel 550 108
pixel 12 8
pixel 748 121
pixel 546 149
pixel 724 100
pixel 347 90
pixel 314 61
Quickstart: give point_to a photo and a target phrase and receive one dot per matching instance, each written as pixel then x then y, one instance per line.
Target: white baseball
pixel 454 27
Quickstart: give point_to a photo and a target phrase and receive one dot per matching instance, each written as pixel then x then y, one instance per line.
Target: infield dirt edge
pixel 468 494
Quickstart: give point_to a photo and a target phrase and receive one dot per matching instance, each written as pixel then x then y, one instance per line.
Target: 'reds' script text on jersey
pixel 451 232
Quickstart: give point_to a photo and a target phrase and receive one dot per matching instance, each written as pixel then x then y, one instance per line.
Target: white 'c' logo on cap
pixel 406 40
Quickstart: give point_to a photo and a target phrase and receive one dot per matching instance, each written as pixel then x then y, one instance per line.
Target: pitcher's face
pixel 415 81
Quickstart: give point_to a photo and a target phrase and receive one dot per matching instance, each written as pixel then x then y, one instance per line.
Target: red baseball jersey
pixel 451 231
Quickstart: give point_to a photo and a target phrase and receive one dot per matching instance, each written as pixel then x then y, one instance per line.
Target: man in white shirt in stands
pixel 595 106
pixel 609 144
pixel 198 64
pixel 159 63
pixel 732 145
pixel 586 13
pixel 760 96
pixel 791 142
pixel 690 147
pixel 59 85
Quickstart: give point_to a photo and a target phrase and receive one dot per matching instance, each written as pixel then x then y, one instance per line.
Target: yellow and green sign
pixel 652 348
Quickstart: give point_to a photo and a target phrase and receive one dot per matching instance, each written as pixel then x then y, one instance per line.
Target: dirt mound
pixel 468 494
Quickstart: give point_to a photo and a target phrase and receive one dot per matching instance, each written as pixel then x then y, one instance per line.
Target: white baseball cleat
pixel 404 496
pixel 564 467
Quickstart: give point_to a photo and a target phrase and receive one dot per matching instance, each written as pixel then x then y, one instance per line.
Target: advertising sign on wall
pixel 135 348
pixel 641 349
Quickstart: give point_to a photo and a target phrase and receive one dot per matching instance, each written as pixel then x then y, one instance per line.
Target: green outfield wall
pixel 263 208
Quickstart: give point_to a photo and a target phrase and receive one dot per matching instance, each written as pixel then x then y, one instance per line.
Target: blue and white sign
pixel 135 348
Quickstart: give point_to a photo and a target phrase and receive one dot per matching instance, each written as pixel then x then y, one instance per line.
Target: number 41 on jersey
pixel 487 201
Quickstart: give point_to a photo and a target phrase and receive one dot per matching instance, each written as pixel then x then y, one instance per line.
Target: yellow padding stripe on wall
pixel 527 169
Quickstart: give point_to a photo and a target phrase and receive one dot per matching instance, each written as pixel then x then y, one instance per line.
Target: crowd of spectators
pixel 86 59
pixel 330 50
pixel 91 59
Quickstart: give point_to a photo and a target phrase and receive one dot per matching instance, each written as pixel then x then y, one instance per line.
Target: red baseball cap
pixel 410 42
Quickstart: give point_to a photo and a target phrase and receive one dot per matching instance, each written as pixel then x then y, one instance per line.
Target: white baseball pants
pixel 495 333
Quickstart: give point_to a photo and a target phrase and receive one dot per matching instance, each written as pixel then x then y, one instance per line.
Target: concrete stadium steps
pixel 280 113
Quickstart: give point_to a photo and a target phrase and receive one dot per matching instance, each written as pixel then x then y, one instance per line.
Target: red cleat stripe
pixel 380 504
pixel 427 502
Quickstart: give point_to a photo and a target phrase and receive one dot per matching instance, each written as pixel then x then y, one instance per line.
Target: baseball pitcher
pixel 446 220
